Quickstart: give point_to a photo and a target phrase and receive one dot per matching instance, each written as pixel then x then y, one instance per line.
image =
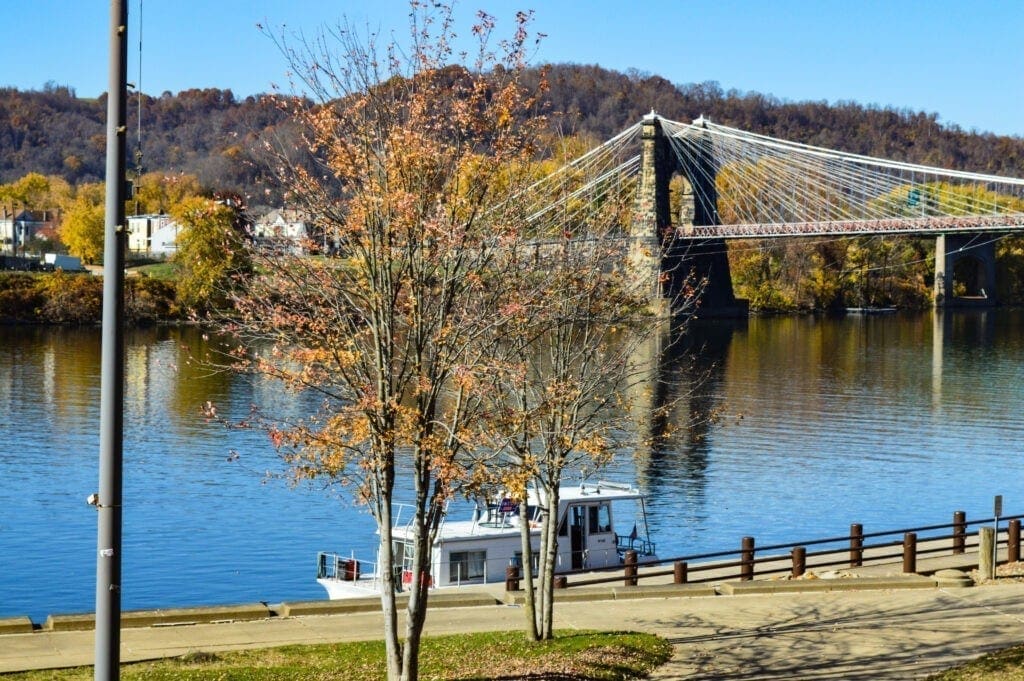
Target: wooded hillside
pixel 211 136
pixel 206 133
pixel 210 133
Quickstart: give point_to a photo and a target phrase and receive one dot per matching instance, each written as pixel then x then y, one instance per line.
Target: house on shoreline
pixel 288 230
pixel 152 235
pixel 19 229
pixel 281 230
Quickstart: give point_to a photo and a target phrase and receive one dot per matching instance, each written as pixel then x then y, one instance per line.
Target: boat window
pixel 402 552
pixel 517 560
pixel 600 519
pixel 465 565
pixel 563 527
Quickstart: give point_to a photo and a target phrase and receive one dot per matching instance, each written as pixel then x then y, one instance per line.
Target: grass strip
pixel 570 656
pixel 1002 665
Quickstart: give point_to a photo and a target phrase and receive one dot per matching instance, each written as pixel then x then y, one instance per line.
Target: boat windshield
pixel 402 552
pixel 506 513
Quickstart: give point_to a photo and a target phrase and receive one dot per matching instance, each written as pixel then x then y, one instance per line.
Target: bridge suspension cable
pixel 766 186
pixel 601 180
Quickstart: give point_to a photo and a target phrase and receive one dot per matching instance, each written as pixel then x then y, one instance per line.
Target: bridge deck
pixel 904 226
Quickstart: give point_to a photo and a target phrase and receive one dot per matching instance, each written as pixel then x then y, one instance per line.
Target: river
pixel 785 428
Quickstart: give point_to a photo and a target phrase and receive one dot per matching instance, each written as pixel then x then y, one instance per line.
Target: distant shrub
pixel 20 296
pixel 766 297
pixel 149 300
pixel 1010 271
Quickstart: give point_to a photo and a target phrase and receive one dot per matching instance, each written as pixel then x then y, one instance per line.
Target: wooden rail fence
pixel 857 549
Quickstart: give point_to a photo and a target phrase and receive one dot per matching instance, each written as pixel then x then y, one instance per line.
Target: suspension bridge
pixel 681 190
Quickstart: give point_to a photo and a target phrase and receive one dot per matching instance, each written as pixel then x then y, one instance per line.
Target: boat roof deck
pixel 469 529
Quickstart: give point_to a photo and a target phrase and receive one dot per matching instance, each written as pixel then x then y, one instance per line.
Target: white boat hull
pixel 339 589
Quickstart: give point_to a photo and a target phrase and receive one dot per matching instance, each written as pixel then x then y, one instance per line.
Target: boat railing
pixel 399 510
pixel 627 542
pixel 338 567
pixel 346 568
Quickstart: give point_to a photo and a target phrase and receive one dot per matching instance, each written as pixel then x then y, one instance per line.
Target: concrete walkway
pixel 885 633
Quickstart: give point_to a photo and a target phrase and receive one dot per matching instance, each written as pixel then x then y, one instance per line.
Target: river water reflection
pixel 889 421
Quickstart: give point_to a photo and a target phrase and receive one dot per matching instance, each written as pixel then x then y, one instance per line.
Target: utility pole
pixel 108 501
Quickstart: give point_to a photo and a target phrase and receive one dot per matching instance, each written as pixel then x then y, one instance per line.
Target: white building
pixel 285 229
pixel 19 228
pixel 152 234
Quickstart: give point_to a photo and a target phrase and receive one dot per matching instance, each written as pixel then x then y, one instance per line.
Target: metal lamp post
pixel 108 500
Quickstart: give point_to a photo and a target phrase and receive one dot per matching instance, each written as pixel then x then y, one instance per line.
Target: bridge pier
pixel 965 270
pixel 675 268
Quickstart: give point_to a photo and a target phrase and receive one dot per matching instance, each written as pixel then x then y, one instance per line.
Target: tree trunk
pixel 550 562
pixel 426 521
pixel 385 559
pixel 418 592
pixel 415 618
pixel 527 545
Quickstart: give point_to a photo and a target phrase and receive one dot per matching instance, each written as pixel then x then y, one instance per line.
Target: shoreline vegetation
pixel 76 299
pixel 152 295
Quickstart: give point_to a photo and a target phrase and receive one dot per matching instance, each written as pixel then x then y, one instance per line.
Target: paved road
pixel 882 634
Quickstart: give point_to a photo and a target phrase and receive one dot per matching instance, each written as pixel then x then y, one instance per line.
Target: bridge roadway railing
pixel 923 549
pixel 907 226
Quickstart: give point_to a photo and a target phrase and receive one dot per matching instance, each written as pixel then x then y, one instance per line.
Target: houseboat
pixel 478 550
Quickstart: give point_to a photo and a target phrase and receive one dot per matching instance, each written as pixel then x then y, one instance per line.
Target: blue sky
pixel 962 61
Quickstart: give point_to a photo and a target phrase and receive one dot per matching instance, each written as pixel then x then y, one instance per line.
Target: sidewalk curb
pixel 259 611
pixel 814 585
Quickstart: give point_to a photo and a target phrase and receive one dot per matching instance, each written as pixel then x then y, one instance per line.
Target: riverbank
pixel 76 299
pixel 61 636
pixel 890 632
pixel 871 621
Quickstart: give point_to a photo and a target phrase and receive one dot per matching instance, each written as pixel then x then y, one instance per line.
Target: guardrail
pixel 933 224
pixel 857 549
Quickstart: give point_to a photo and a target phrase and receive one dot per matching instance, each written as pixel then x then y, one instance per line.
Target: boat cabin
pixel 596 524
pixel 479 549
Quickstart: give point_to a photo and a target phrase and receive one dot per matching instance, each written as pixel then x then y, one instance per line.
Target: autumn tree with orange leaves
pixel 418 163
pixel 425 339
pixel 564 404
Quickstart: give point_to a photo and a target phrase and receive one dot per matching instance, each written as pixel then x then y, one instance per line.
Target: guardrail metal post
pixel 747 559
pixel 856 545
pixel 512 578
pixel 630 560
pixel 799 561
pixel 679 572
pixel 910 553
pixel 1013 541
pixel 959 532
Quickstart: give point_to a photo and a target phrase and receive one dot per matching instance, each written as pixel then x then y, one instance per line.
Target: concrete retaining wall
pixel 163 617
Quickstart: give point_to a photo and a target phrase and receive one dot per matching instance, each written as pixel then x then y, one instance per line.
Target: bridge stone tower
pixel 666 264
pixel 652 213
pixel 959 260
